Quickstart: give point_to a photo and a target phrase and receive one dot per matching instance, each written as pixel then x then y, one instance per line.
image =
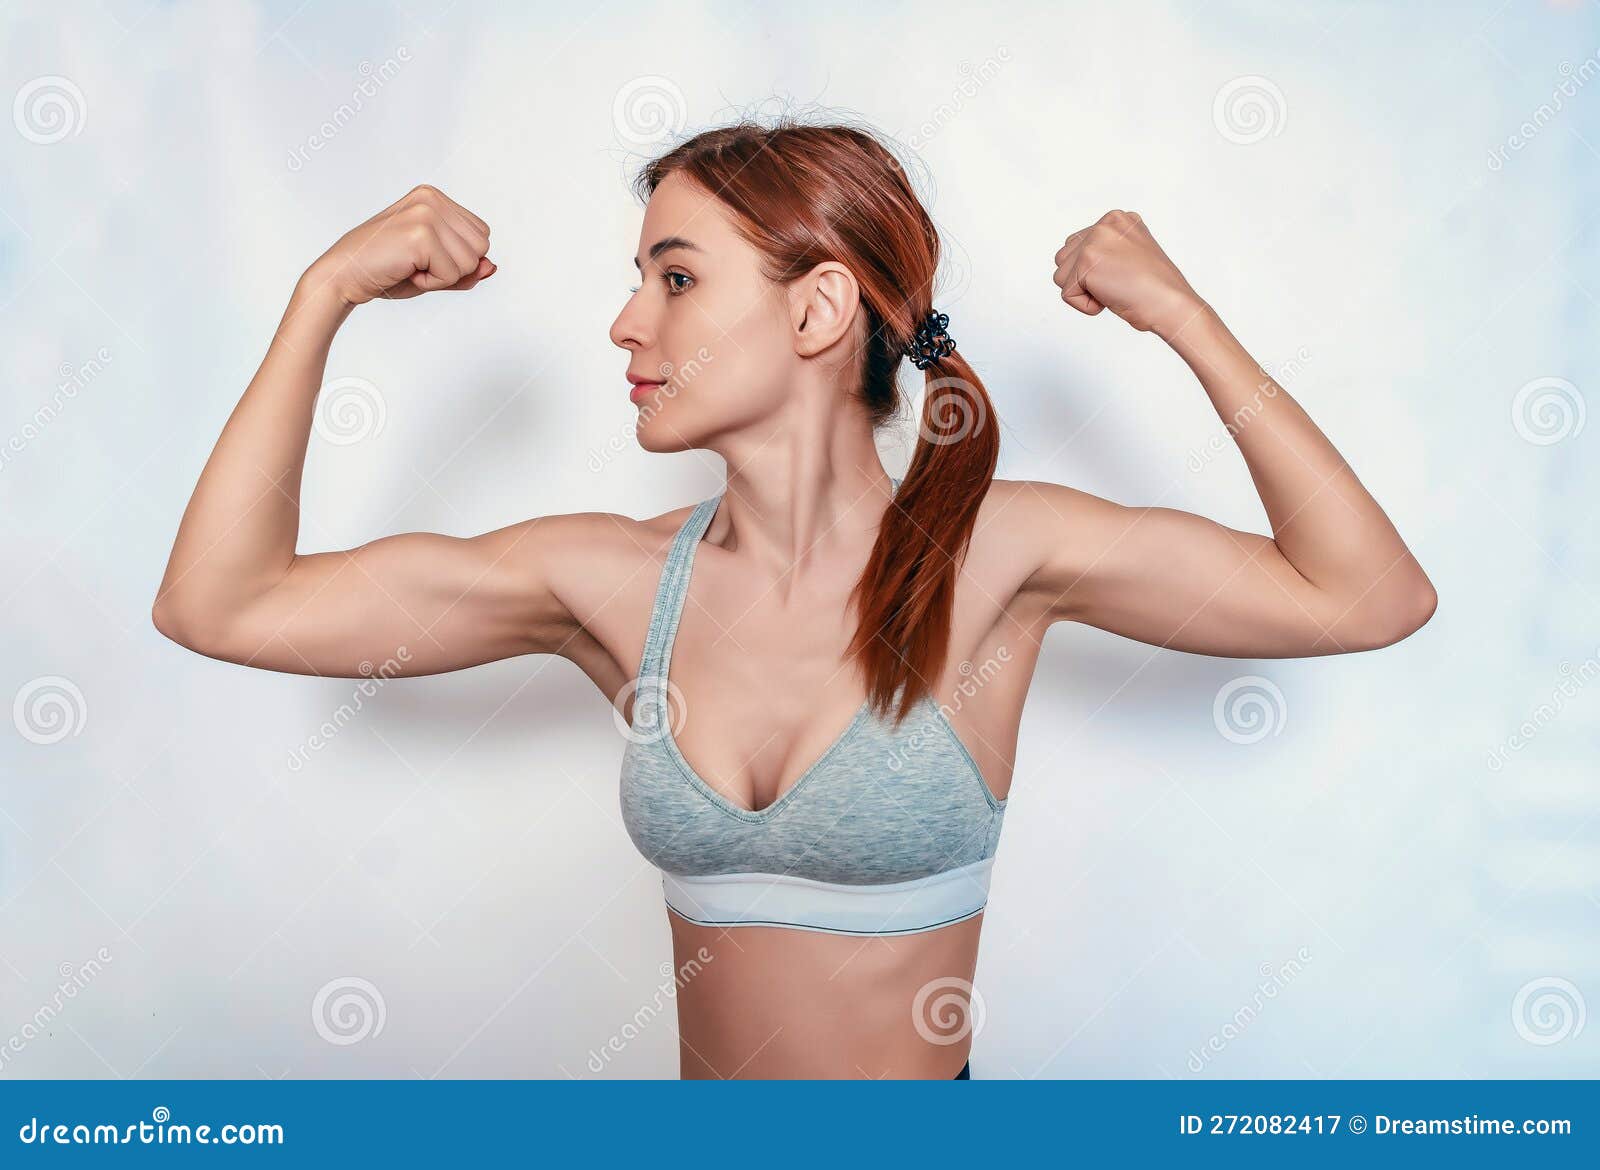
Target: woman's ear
pixel 823 305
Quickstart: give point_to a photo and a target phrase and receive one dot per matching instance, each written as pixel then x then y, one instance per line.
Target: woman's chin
pixel 661 439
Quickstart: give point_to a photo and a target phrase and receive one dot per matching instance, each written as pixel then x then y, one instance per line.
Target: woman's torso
pixel 758 697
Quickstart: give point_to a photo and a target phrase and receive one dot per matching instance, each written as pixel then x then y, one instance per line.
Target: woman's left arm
pixel 1333 577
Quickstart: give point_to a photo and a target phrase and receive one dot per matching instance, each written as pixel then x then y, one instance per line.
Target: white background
pixel 457 845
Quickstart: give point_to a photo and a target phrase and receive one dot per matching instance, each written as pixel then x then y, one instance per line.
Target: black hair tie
pixel 930 342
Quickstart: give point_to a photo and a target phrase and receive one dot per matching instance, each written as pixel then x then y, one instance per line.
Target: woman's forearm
pixel 238 534
pixel 1327 525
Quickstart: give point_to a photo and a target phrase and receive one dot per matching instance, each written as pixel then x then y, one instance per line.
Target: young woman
pixel 822 667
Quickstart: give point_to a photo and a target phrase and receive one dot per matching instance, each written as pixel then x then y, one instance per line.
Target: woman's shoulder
pixel 596 563
pixel 1020 506
pixel 1017 508
pixel 601 540
pixel 1022 523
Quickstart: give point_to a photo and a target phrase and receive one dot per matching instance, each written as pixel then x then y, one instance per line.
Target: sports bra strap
pixel 670 591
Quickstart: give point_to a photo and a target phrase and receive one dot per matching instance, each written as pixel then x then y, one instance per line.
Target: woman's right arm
pixel 236 589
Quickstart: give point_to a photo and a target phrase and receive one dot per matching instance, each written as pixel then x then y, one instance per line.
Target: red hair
pixel 802 195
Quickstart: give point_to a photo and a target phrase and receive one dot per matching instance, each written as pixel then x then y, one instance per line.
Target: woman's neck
pixel 810 489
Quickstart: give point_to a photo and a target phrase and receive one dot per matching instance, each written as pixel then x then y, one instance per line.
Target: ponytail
pixel 905 597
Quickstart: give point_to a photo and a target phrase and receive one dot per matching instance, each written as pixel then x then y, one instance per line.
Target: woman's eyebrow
pixel 663 245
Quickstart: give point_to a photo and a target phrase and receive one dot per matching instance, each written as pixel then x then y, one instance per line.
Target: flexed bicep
pixel 413 603
pixel 1181 581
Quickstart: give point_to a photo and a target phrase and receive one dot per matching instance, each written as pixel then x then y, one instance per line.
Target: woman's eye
pixel 672 289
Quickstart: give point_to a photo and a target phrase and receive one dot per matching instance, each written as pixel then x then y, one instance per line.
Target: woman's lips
pixel 640 389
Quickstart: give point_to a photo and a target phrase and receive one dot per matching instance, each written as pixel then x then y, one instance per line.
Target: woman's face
pixel 704 324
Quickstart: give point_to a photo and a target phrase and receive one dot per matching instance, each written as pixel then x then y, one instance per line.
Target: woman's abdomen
pixel 770 1002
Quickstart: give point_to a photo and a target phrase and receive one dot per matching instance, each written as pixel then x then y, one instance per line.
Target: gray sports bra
pixel 891 831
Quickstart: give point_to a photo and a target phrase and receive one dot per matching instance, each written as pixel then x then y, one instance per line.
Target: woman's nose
pixel 630 330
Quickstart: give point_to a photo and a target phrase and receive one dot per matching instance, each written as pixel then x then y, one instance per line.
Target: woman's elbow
pixel 171 624
pixel 1397 618
pixel 182 626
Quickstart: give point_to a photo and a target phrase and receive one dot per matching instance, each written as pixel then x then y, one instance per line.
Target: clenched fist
pixel 424 242
pixel 1116 264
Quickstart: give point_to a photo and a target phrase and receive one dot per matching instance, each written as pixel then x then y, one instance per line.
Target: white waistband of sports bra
pixel 773 899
